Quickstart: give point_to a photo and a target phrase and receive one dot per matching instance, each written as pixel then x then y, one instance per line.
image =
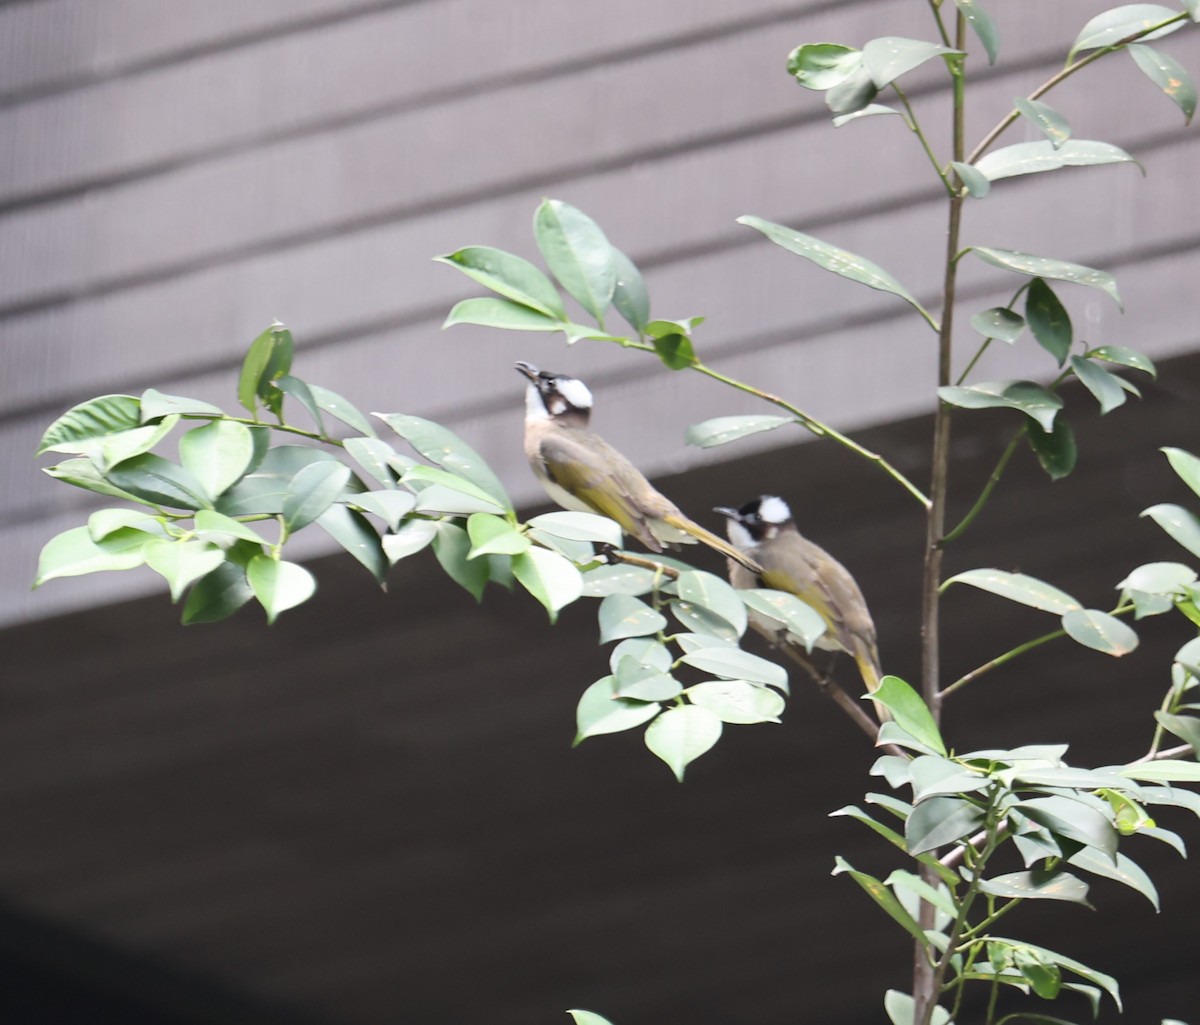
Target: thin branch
pixel 915 127
pixel 986 493
pixel 645 563
pixel 1182 751
pixel 286 428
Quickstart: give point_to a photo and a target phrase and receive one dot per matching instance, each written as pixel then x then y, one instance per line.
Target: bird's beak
pixel 528 369
pixel 729 514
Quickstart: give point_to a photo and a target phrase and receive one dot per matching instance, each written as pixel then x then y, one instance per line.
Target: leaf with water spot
pixel 1045 267
pixel 1043 155
pixel 1027 396
pixel 889 57
pixel 1047 120
pixel 983 25
pixel 1110 27
pixel 1018 587
pixel 721 430
pixel 1168 74
pixel 1100 631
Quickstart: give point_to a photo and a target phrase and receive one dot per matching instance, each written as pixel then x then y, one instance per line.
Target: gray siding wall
pixel 174 175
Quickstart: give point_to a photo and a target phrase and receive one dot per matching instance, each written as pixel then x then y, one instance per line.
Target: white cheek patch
pixel 740 536
pixel 535 408
pixel 774 510
pixel 575 392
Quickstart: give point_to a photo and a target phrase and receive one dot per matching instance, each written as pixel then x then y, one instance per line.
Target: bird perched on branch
pixel 582 472
pixel 764 530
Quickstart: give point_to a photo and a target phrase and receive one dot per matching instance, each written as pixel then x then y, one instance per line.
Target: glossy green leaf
pixel 452 547
pixel 714 594
pixel 982 25
pixel 579 526
pixel 901 1010
pixel 735 664
pixel 155 405
pixel 1112 26
pixel 340 409
pixel 1072 819
pixel 581 553
pixel 409 538
pixel 354 533
pixel 302 393
pixel 600 711
pixel 831 258
pixel 73 553
pixel 181 563
pixel 1185 727
pixel 911 889
pixel 1048 120
pixel 494 535
pixel 1100 631
pixel 433 496
pixel 1193 9
pixel 1164 771
pixel 936 776
pixel 851 96
pixel 578 254
pixel 96 418
pixel 269 356
pixel 1105 982
pixel 976 184
pixel 510 276
pixel 1124 357
pixel 647 651
pixel 1048 320
pixel 723 429
pixel 154 479
pixel 588 1018
pixel 1186 465
pixel 1056 450
pixel 681 735
pixel 217 454
pixel 889 57
pixel 500 313
pixel 617 579
pixel 1099 382
pixel 262 491
pixel 883 897
pixel 312 490
pixel 446 449
pixel 674 349
pixel 738 702
pixel 1036 402
pixel 1168 74
pixel 1044 155
pixel 999 323
pixel 622 615
pixel 82 473
pixel 222 527
pixel 107 452
pixel 636 681
pixel 940 821
pixel 1124 871
pixel 821 66
pixel 222 592
pixel 549 577
pixel 389 506
pixel 373 455
pixel 870 110
pixel 788 613
pixel 103 522
pixel 1037 884
pixel 1018 587
pixel 629 294
pixel 1045 267
pixel 910 712
pixel 1179 523
pixel 279 585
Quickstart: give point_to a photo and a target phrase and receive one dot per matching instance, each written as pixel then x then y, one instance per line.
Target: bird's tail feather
pixel 867 660
pixel 713 541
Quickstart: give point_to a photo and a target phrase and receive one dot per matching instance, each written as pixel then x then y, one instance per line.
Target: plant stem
pixel 915 127
pixel 818 428
pixel 988 488
pixel 286 428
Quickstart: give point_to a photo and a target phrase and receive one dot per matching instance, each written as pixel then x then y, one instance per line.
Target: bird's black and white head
pixel 551 396
pixel 757 521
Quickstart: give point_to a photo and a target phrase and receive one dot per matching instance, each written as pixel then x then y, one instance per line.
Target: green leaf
pixel 1193 9
pixel 96 418
pixel 645 650
pixel 210 522
pixel 302 393
pixel 500 313
pixel 494 535
pixel 674 349
pixel 389 506
pixel 723 429
pixel 794 617
pixel 154 479
pixel 452 547
pixel 1123 871
pixel 983 26
pixel 373 456
pixel 340 409
pixel 1185 727
pixel 1045 267
pixel 579 526
pixel 1112 26
pixel 1124 357
pixel 910 712
pixel 1100 631
pixel 312 490
pixel 107 521
pixel 935 776
pixel 549 577
pixel 1044 155
pixel 588 1018
pixel 1072 819
pixel 852 96
pixel 409 538
pixel 1000 323
pixel 447 492
pixel 279 585
pixel 269 356
pixel 714 594
pixel 82 473
pixel 1032 399
pixel 639 682
pixel 1167 578
pixel 1056 450
pixel 600 711
pixel 1048 320
pixel 883 897
pixel 619 579
pixel 1186 465
pixel 355 534
pixel 889 57
pixel 445 448
pixel 735 664
pixel 1038 884
pixel 1164 771
pixel 1105 982
pixel 681 735
pixel 74 553
pixel 939 821
pixel 629 294
pixel 901 1010
pixel 1100 383
pixel 1179 523
pixel 1019 588
pixel 1048 120
pixel 1168 74
pixel 578 254
pixel 870 110
pixel 622 615
pixel 107 452
pixel 225 590
pixel 510 276
pixel 155 405
pixel 181 563
pixel 217 454
pixel 839 261
pixel 737 702
pixel 821 66
pixel 976 183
